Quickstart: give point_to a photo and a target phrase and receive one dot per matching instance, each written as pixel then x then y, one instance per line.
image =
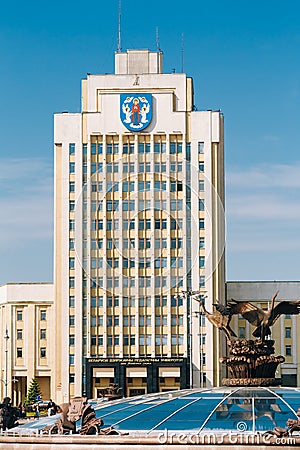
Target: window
pixel 200 147
pixel 128 148
pixel 71 149
pixel 72 263
pixel 201 166
pixel 19 352
pixel 201 262
pixel 201 185
pixel 288 350
pixel 72 186
pixel 19 315
pixel 288 332
pixel 72 167
pixel 132 321
pixel 116 321
pixel 142 321
pixel 72 378
pixel 242 332
pixel 43 314
pixel 72 321
pixel 201 242
pixel 71 301
pixel 157 339
pixel 71 360
pixel 43 334
pixel 202 339
pixel 72 339
pixel 109 321
pixel 201 224
pixel 201 205
pixel 19 334
pixel 43 352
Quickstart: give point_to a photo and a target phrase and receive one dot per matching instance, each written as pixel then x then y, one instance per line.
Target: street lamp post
pixel 6 337
pixel 200 315
pixel 6 381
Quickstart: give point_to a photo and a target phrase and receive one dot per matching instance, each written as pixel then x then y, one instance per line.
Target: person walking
pixel 37 412
pixel 51 408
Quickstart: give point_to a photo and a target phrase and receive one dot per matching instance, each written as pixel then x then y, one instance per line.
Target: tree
pixel 34 390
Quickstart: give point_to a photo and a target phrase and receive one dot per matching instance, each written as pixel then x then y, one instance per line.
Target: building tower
pixel 139 224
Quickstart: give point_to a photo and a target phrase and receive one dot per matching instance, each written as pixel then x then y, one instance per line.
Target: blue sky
pixel 244 59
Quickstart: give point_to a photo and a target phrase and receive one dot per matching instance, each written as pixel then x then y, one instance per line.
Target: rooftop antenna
pixel 157 40
pixel 182 53
pixel 119 49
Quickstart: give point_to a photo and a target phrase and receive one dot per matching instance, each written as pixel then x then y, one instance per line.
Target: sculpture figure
pixel 8 414
pixel 70 413
pixel 262 319
pixel 220 318
pixel 292 425
pixel 250 362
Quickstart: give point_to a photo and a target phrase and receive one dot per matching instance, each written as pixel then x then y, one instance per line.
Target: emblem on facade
pixel 136 111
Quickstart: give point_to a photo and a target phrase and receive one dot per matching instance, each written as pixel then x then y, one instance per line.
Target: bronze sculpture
pixel 220 318
pixel 263 320
pixel 8 414
pixel 292 425
pixel 70 414
pixel 250 362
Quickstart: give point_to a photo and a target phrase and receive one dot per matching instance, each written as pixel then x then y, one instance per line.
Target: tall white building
pixel 139 224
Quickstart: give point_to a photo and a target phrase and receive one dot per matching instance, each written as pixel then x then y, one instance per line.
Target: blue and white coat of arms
pixel 136 111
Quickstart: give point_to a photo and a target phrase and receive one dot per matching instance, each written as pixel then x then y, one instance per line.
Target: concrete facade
pixel 138 219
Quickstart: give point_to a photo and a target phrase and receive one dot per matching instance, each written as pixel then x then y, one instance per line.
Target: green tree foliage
pixel 33 391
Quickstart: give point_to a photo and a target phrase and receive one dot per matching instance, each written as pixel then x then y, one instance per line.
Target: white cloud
pixel 265 176
pixel 263 207
pixel 263 220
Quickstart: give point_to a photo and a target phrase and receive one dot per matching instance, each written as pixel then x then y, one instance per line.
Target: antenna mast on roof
pixel 157 40
pixel 182 53
pixel 119 49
